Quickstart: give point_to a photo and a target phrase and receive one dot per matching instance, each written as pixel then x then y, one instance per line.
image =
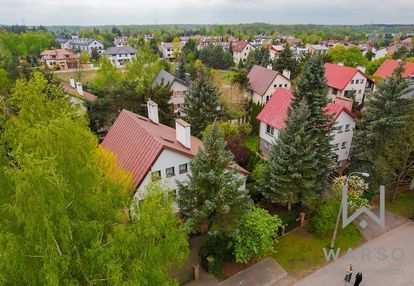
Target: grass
pixel 86 76
pixel 403 204
pixel 252 142
pixel 222 77
pixel 300 252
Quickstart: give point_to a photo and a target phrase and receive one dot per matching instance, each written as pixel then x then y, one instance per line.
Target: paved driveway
pixel 387 260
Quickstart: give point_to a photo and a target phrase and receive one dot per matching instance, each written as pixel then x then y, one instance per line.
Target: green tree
pixel 202 102
pixel 351 57
pixel 95 55
pixel 259 57
pixel 374 65
pixel 312 89
pixel 216 57
pixel 240 78
pixel 257 235
pixel 287 61
pixel 381 139
pixel 65 202
pixel 84 57
pixel 212 190
pixel 291 176
pixel 107 78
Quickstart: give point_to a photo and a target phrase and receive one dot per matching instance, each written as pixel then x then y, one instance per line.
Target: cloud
pixel 99 12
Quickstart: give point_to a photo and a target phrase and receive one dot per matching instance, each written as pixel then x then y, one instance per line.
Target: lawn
pixel 300 252
pixel 222 77
pixel 86 76
pixel 403 204
pixel 251 142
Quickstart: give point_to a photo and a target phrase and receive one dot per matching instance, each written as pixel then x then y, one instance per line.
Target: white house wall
pixel 279 81
pixel 343 136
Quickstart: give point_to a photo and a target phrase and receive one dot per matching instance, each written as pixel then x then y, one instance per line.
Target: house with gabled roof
pixel 178 88
pixel 273 116
pixel 151 150
pixel 347 82
pixel 241 50
pixel 120 55
pixel 388 66
pixel 263 82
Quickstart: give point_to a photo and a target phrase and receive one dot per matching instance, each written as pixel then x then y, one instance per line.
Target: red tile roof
pixel 339 76
pixel 137 142
pixel 86 95
pixel 275 111
pixel 261 78
pixel 239 46
pixel 58 54
pixel 388 66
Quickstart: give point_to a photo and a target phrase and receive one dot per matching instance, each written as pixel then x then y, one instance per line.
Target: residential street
pixel 397 269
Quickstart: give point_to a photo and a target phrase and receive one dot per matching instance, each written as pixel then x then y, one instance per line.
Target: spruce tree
pixel 286 61
pixel 312 89
pixel 386 117
pixel 202 103
pixel 290 176
pixel 212 189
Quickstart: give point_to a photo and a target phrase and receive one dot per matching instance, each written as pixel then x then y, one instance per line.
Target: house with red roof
pixel 388 66
pixel 273 116
pixel 62 59
pixel 263 82
pixel 150 150
pixel 347 82
pixel 241 50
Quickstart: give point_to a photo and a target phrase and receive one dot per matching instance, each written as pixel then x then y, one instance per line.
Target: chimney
pixel 79 88
pixel 72 83
pixel 177 72
pixel 187 78
pixel 183 133
pixel 362 69
pixel 153 111
pixel 345 102
pixel 286 73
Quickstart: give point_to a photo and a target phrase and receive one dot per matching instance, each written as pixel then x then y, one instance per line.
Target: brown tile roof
pixel 86 95
pixel 137 142
pixel 58 54
pixel 239 46
pixel 261 78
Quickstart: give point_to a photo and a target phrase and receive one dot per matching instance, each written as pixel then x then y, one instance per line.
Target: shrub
pixel 323 223
pixel 257 234
pixel 220 247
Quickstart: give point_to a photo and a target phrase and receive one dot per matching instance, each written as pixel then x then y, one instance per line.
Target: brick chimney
pixel 183 133
pixel 153 111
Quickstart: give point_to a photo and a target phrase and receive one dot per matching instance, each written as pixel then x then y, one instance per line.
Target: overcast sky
pixel 106 12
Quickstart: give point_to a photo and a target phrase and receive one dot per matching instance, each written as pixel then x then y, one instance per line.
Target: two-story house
pixel 83 44
pixel 62 59
pixel 263 82
pixel 178 88
pixel 272 121
pixel 347 82
pixel 150 150
pixel 119 56
pixel 170 51
pixel 121 41
pixel 241 50
pixel 317 49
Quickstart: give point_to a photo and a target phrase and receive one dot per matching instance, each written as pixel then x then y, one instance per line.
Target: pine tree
pixel 213 189
pixel 386 117
pixel 202 103
pixel 312 89
pixel 286 61
pixel 290 177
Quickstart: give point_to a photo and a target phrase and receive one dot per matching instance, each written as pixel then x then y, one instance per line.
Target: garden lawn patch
pixel 86 76
pixel 403 204
pixel 251 142
pixel 300 252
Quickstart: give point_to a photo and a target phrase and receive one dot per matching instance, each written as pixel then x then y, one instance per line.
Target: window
pixel 352 81
pixel 336 147
pixel 343 145
pixel 156 175
pixel 334 91
pixel 280 85
pixel 183 168
pixel 270 130
pixel 169 172
pixel 267 98
pixel 338 129
pixel 362 81
pixel 357 81
pixel 347 127
pixel 275 85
